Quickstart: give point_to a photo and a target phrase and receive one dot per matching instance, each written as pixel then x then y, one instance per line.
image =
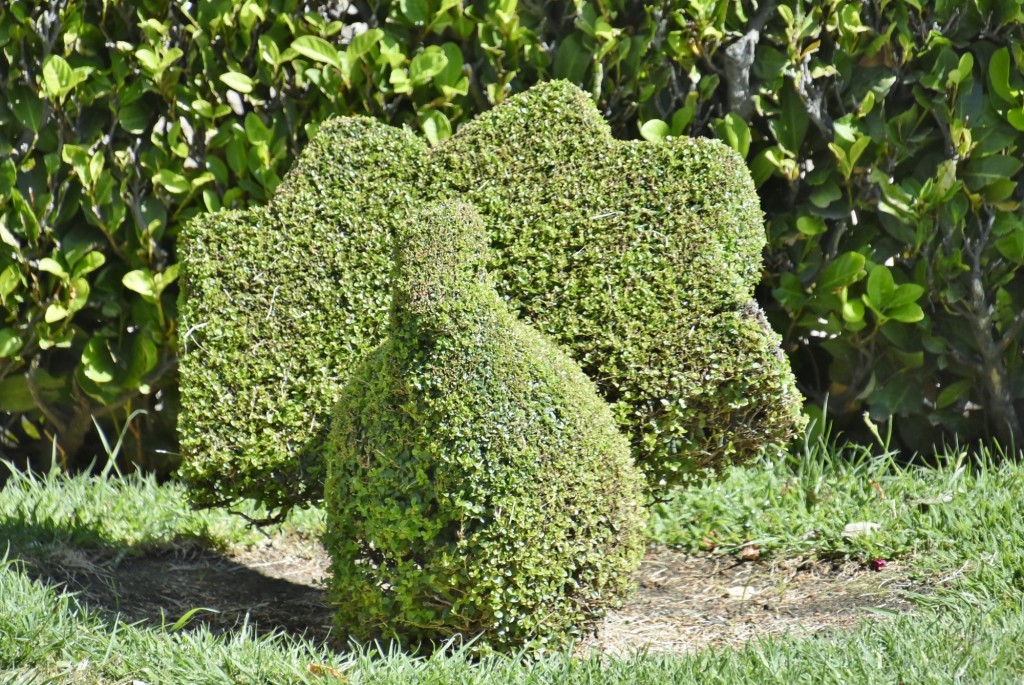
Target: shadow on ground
pixel 274 587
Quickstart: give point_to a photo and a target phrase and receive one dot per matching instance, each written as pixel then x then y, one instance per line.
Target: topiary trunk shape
pixel 477 484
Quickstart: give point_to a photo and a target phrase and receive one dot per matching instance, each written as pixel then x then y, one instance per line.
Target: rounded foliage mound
pixel 477 484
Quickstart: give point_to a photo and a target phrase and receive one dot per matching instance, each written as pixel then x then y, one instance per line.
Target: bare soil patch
pixel 683 602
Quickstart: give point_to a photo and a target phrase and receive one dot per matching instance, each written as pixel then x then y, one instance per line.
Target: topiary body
pixel 477 483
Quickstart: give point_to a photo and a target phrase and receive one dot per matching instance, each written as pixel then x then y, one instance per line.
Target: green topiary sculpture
pixel 638 259
pixel 477 483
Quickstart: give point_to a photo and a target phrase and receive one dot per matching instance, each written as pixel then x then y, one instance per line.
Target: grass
pixel 958 524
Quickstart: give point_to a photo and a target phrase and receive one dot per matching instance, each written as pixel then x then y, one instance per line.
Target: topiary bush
pixel 477 483
pixel 638 259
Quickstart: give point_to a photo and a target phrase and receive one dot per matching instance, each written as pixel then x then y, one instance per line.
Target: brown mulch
pixel 683 602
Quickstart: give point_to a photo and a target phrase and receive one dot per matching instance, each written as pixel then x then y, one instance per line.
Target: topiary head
pixel 440 257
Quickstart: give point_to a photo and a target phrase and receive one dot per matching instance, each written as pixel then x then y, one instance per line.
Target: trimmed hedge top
pixel 477 484
pixel 638 259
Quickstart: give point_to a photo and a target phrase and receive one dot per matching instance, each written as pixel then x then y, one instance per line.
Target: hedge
pixel 881 135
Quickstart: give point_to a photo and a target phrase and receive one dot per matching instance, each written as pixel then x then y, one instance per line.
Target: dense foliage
pixel 883 135
pixel 639 260
pixel 477 484
pixel 886 138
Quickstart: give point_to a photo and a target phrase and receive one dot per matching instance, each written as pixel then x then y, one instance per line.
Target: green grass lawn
pixel 957 526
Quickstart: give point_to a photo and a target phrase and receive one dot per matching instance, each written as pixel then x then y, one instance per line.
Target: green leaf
pixel 811 225
pixel 735 133
pixel 655 130
pixel 166 277
pixel 427 65
pixel 904 294
pixel 682 117
pixel 28 108
pixel 952 393
pixel 571 60
pixel 416 11
pixel 880 287
pixel 363 43
pixel 826 195
pixel 141 281
pixel 436 127
pixel 173 182
pixel 237 81
pixel 52 266
pixel 54 313
pixel 999 75
pixel 844 270
pixel 317 49
pixel 148 59
pixel 135 117
pixel 87 264
pixel 908 313
pixel 97 364
pixel 853 310
pixel 15 396
pixel 452 75
pixel 30 429
pixel 10 342
pixel 57 76
pixel 790 127
pixel 255 130
pixel 1011 245
pixel 1016 118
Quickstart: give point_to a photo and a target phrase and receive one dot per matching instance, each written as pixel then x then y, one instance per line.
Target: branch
pixel 739 58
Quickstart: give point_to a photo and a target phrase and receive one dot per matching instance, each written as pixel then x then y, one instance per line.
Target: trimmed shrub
pixel 278 304
pixel 638 259
pixel 477 484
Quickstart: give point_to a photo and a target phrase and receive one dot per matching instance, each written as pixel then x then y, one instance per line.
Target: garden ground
pixel 683 602
pixel 767 575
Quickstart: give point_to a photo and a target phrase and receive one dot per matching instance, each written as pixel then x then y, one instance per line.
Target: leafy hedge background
pixel 884 136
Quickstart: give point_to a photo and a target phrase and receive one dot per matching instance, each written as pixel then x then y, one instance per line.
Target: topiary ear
pixel 278 302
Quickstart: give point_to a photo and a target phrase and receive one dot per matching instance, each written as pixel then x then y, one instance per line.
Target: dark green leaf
pixel 571 60
pixel 416 11
pixel 28 108
pixel 844 270
pixel 984 171
pixel 790 127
